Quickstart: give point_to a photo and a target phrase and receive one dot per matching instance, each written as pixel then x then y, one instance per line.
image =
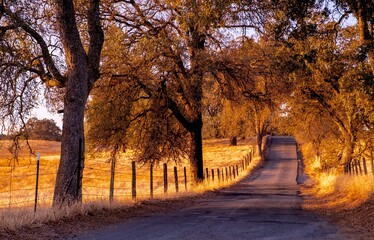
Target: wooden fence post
pixel 185 178
pixel 234 172
pixel 207 174
pixel 237 170
pixel 230 172
pixel 176 179
pixel 372 166
pixel 165 178
pixel 37 181
pixel 365 167
pixel 112 173
pixel 212 175
pixel 133 185
pixel 223 178
pixel 219 175
pixel 151 180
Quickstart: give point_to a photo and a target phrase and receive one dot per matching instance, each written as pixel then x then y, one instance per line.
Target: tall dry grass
pixel 342 191
pixel 334 189
pixel 17 185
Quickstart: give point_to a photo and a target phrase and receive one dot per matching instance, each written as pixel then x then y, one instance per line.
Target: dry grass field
pixel 345 199
pixel 17 183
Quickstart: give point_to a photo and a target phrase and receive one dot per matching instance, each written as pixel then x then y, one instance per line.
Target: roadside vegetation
pixel 149 81
pixel 217 153
pixel 345 199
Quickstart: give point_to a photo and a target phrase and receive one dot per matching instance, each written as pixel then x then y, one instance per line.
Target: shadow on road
pixel 267 207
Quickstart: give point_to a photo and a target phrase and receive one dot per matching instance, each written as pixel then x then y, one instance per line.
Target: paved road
pixel 266 208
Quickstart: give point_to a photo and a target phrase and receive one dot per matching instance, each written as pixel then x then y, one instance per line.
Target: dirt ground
pixel 357 223
pixel 70 227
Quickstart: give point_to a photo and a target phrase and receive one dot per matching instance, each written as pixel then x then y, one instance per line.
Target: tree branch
pixel 341 19
pixel 42 44
pixel 96 34
pixel 172 105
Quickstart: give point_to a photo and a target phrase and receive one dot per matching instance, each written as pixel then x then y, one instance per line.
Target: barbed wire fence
pixel 32 185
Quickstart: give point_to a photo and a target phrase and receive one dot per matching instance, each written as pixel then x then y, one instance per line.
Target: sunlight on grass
pixel 341 191
pixel 325 184
pixel 333 189
pixel 17 185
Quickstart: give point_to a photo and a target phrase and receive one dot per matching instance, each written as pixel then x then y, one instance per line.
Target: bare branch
pixel 42 44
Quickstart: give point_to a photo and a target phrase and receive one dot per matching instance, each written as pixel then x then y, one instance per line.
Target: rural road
pixel 266 208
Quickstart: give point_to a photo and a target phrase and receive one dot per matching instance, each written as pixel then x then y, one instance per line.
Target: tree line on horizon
pixel 159 76
pixel 36 129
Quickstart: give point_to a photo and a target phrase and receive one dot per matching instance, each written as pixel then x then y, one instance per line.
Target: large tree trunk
pixel 68 188
pixel 361 13
pixel 260 127
pixel 196 151
pixel 259 138
pixel 348 149
pixel 82 72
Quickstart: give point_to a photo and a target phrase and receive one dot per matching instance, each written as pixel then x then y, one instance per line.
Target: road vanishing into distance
pixel 267 207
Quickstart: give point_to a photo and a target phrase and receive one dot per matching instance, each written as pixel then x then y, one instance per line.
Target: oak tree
pixel 174 42
pixel 56 54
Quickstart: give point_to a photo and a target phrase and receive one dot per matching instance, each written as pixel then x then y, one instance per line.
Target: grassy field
pixel 345 199
pixel 17 183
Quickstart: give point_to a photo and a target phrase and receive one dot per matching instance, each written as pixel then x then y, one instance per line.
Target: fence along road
pixel 266 208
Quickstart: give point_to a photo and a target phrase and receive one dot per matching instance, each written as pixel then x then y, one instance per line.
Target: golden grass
pixel 333 189
pixel 17 186
pixel 340 191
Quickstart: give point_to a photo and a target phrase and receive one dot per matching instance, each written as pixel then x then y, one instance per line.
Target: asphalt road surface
pixel 265 208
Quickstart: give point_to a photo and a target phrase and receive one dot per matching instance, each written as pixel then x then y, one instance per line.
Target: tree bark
pixel 194 127
pixel 196 151
pixel 68 188
pixel 259 144
pixel 260 126
pixel 82 72
pixel 361 12
pixel 348 148
pixel 366 38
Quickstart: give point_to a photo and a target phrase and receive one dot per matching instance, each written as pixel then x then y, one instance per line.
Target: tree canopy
pixel 42 129
pixel 158 76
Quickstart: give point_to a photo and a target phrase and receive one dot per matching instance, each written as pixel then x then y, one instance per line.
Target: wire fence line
pixel 34 185
pixel 360 166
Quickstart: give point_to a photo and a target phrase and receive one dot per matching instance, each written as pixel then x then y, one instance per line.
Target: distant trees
pixel 58 44
pixel 42 129
pixel 256 85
